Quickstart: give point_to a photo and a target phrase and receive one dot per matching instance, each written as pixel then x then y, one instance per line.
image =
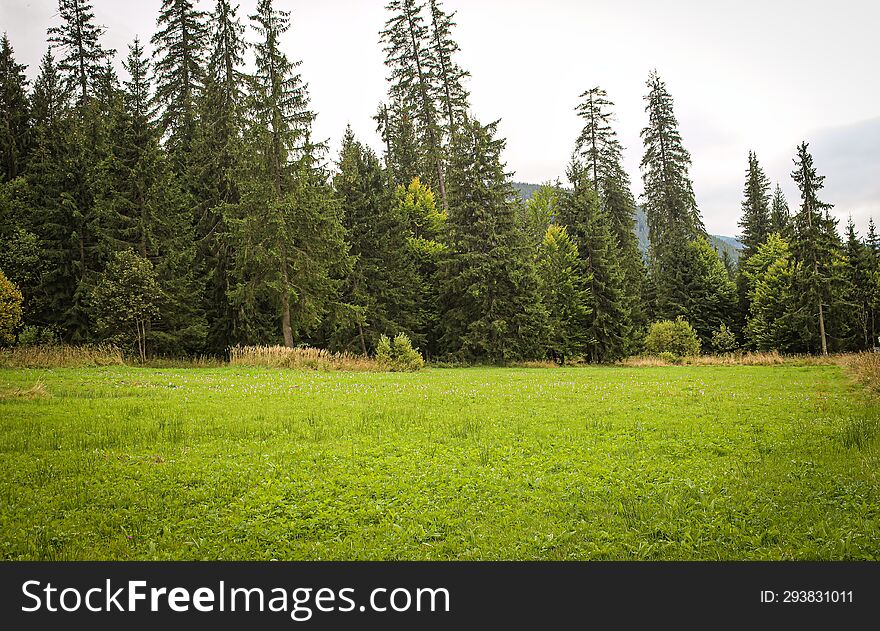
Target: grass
pixel 300 358
pixel 684 462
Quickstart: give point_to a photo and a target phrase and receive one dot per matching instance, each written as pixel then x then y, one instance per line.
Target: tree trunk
pixel 363 341
pixel 286 329
pixel 822 329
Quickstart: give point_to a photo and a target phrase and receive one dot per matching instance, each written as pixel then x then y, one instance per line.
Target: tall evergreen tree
pixel 218 151
pixel 411 75
pixel 383 284
pixel 768 276
pixel 15 117
pixel 449 77
pixel 780 215
pixel 179 48
pixel 859 285
pixel 601 153
pixel 670 205
pixel 609 324
pixel 489 291
pixel 143 209
pixel 756 219
pixel 77 38
pixel 565 293
pixel 53 215
pixel 288 238
pixel 813 252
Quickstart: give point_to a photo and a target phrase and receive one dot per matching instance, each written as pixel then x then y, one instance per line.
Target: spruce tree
pixel 670 205
pixel 143 209
pixel 412 80
pixel 858 285
pixel 602 157
pixel 565 292
pixel 490 301
pixel 383 284
pixel 448 75
pixel 813 252
pixel 290 255
pixel 217 152
pixel 52 215
pixel 609 324
pixel 179 48
pixel 82 56
pixel 780 215
pixel 768 275
pixel 756 219
pixel 15 118
pixel 403 155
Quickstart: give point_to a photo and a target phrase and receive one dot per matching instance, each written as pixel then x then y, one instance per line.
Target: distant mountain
pixel 720 243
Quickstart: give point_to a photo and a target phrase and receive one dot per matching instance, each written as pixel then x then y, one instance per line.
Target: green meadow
pixel 708 462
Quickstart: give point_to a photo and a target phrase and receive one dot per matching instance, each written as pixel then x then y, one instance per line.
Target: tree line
pixel 187 208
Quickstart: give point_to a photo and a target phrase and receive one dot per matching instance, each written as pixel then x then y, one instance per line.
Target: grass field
pixel 709 462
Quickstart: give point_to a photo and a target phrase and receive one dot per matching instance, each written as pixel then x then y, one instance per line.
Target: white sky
pixel 745 74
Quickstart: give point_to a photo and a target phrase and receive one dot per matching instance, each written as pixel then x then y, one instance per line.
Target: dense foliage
pixel 201 167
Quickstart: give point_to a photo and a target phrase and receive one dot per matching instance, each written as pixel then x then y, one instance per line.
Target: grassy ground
pixel 709 462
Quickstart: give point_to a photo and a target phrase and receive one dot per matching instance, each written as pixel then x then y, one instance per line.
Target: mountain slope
pixel 721 243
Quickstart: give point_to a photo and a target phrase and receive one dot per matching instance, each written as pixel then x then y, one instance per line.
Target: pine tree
pixel 756 219
pixel 449 77
pixel 601 153
pixel 77 38
pixel 383 281
pixel 290 255
pixel 15 118
pixel 53 216
pixel 565 293
pixel 179 47
pixel 408 57
pixel 696 287
pixel 396 127
pixel 670 205
pixel 858 286
pixel 768 274
pixel 780 216
pixel 218 151
pixel 491 308
pixel 812 251
pixel 143 209
pixel 609 324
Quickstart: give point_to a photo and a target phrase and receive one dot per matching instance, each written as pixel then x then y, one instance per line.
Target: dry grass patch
pixel 301 358
pixel 36 391
pixel 865 368
pixel 61 356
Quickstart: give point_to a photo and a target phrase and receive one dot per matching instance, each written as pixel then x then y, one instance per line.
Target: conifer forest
pixel 184 207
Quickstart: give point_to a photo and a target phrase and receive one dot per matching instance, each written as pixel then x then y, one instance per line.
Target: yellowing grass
pixel 61 356
pixel 301 358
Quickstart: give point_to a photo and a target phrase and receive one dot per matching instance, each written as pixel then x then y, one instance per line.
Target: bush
pixel 678 338
pixel 10 310
pixel 398 355
pixel 724 341
pixel 37 336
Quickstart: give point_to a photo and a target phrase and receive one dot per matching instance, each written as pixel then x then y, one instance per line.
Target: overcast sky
pixel 745 74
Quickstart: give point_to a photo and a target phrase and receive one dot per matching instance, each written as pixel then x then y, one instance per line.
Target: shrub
pixel 724 341
pixel 37 336
pixel 678 338
pixel 669 358
pixel 398 355
pixel 10 310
